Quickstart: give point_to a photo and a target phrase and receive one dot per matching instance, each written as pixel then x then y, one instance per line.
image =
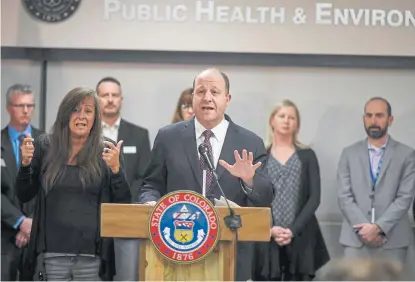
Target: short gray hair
pixel 21 88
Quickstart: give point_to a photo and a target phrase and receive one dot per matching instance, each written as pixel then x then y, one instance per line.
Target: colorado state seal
pixel 52 11
pixel 184 227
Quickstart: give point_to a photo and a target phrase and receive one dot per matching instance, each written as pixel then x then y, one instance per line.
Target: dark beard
pixel 376 134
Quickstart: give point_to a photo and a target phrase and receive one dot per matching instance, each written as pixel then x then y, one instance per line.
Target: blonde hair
pixel 277 108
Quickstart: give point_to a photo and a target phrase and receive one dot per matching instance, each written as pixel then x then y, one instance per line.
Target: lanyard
pixel 375 176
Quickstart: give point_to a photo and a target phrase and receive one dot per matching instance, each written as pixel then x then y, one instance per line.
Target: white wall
pixel 19 71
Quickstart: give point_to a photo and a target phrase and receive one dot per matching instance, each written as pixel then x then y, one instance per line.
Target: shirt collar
pixel 371 147
pixel 14 134
pixel 219 131
pixel 115 125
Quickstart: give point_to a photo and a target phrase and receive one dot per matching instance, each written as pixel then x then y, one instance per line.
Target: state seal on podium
pixel 184 227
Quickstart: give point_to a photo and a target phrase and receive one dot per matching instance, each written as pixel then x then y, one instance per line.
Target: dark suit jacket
pixel 307 250
pixel 137 138
pixel 11 207
pixel 174 165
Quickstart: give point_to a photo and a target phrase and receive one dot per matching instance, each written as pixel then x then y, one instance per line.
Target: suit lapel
pixel 190 149
pixel 387 158
pixel 122 131
pixel 364 158
pixel 228 148
pixel 7 153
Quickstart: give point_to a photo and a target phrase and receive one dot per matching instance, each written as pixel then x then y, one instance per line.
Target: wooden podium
pixel 131 221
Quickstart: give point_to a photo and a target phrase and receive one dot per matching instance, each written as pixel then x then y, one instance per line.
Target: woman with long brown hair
pixel 72 171
pixel 184 107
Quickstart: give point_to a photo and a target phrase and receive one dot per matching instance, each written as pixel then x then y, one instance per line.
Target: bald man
pixel 242 174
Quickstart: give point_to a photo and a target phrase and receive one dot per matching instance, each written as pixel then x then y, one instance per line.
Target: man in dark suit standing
pixel 136 151
pixel 16 223
pixel 241 155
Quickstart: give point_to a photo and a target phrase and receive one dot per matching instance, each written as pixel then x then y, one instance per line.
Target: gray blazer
pixel 392 198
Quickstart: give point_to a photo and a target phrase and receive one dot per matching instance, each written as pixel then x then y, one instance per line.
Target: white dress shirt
pixel 111 131
pixel 217 139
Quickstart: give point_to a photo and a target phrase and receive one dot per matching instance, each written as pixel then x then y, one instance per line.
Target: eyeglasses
pixel 186 106
pixel 22 106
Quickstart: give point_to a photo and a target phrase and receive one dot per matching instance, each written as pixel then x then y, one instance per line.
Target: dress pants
pixel 398 254
pixel 126 259
pixel 10 258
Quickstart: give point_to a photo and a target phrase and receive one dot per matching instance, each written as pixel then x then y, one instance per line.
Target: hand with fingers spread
pixel 111 155
pixel 27 150
pixel 243 168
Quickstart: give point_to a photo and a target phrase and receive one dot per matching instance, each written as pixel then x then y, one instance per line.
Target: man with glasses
pixel 16 223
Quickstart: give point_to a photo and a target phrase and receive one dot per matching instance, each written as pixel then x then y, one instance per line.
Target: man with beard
pixel 136 151
pixel 376 178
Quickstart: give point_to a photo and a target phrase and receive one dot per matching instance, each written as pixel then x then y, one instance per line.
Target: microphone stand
pixel 232 221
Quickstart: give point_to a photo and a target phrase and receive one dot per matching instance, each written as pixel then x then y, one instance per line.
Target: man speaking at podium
pixel 175 163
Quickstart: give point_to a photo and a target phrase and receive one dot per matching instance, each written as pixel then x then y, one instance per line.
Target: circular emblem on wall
pixel 51 11
pixel 184 227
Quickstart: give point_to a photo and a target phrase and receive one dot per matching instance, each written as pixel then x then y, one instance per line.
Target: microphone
pixel 232 221
pixel 204 151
